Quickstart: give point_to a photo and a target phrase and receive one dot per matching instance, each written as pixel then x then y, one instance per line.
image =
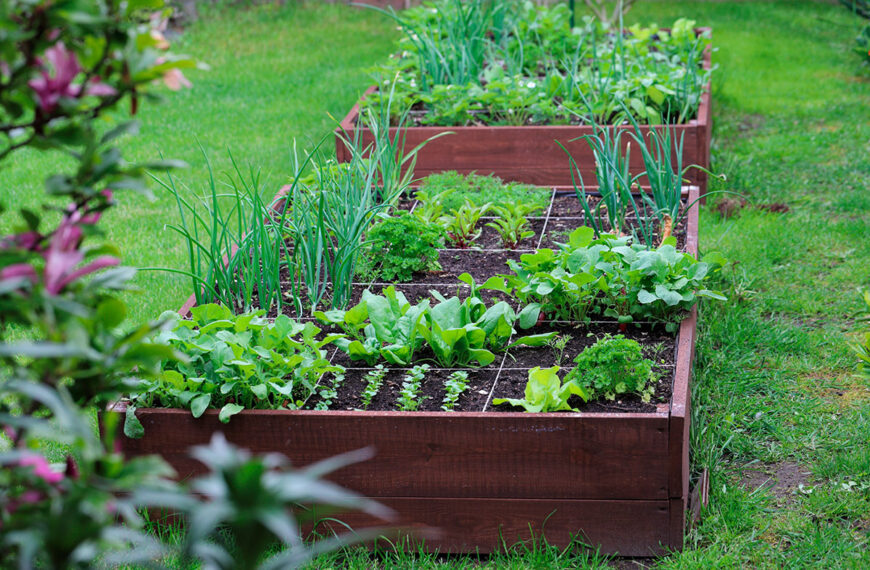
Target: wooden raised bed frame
pixel 485 479
pixel 530 154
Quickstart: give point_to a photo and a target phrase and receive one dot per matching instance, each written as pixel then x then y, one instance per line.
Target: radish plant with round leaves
pixel 613 277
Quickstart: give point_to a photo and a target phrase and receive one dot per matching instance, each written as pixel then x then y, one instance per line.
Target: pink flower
pixel 175 80
pixel 65 66
pixel 41 469
pixel 18 271
pixel 30 497
pixel 63 254
pixel 29 241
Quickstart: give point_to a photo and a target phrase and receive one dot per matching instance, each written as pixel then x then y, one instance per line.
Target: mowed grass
pixel 278 74
pixel 781 420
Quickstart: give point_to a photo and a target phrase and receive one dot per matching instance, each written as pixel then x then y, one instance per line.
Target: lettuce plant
pixel 545 392
pixel 237 362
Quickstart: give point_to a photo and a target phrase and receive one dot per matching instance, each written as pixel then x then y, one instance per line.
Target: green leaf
pixel 261 391
pixel 111 312
pixel 646 297
pixel 528 317
pixel 132 426
pixel 229 411
pixel 534 339
pixel 199 404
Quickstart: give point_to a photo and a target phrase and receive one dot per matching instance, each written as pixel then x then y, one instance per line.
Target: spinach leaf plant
pixel 379 327
pixel 462 333
pixel 404 245
pixel 455 385
pixel 458 332
pixel 236 363
pixel 612 366
pixel 545 392
pixel 409 395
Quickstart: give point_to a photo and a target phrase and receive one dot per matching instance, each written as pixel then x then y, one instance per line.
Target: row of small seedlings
pixel 517 355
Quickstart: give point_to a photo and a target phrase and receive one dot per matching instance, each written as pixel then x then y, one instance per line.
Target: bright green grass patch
pixel 278 74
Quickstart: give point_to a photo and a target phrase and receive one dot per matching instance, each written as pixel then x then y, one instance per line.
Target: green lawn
pixel 776 396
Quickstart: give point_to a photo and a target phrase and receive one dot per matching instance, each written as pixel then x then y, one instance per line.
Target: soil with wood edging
pixel 615 474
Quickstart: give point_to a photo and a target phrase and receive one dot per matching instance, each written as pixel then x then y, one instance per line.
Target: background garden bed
pixel 529 153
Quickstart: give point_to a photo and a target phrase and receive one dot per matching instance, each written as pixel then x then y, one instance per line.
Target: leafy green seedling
pixel 409 396
pixel 558 345
pixel 545 392
pixel 456 384
pixel 461 224
pixel 374 380
pixel 329 393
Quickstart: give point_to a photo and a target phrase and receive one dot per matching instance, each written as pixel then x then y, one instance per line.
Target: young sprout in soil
pixel 558 344
pixel 328 393
pixel 455 385
pixel 461 225
pixel 430 207
pixel 409 396
pixel 374 380
pixel 512 224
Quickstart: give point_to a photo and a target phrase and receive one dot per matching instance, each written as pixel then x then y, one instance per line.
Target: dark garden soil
pixel 432 391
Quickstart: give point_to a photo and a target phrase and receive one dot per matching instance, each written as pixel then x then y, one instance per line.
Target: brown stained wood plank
pixel 461 455
pixel 680 409
pixel 457 525
pixel 528 154
pixel 680 413
pixel 677 523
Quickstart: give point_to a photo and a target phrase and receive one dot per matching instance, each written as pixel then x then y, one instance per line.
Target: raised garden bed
pixel 529 153
pixel 485 477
